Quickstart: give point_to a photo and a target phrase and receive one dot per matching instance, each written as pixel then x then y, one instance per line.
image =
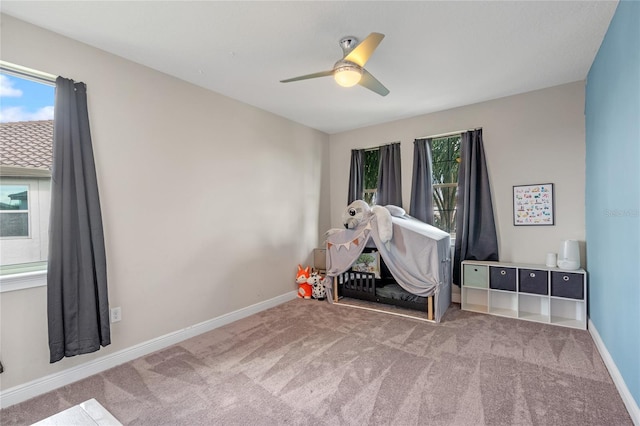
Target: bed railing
pixel 361 285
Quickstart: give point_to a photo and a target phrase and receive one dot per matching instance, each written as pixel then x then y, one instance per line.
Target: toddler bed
pixel 417 258
pixel 365 286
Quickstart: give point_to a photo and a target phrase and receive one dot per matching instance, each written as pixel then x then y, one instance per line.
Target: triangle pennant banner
pixel 356 241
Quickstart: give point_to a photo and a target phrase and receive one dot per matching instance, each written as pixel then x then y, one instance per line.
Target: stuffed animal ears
pixel 385 225
pixel 303 270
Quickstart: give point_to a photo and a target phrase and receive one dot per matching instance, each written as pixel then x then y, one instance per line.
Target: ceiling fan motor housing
pixel 347 44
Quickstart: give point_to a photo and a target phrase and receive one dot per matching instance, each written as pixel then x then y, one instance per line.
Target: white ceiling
pixel 436 54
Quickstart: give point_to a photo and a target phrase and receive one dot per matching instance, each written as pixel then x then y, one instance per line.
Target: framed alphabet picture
pixel 533 205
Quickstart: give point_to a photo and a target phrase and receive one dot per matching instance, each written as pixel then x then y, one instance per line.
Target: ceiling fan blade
pixel 308 76
pixel 371 83
pixel 361 53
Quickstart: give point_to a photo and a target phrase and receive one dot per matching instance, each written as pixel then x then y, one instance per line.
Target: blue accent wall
pixel 613 192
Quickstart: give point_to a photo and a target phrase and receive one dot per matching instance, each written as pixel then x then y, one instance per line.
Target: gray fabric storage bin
pixel 501 278
pixel 533 281
pixel 566 284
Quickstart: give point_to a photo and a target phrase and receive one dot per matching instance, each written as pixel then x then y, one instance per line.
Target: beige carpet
pixel 310 363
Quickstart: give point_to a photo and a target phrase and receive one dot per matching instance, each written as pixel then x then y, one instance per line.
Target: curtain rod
pixel 442 135
pixel 378 147
pixel 27 73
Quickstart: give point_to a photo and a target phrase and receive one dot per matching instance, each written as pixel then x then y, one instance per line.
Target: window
pixel 445 153
pixel 371 165
pixel 26 141
pixel 14 210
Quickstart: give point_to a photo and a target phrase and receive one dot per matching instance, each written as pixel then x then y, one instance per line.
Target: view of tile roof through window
pixel 26 144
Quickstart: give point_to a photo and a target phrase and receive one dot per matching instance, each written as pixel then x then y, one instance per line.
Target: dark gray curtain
pixel 356 176
pixel 476 237
pixel 422 182
pixel 77 302
pixel 389 176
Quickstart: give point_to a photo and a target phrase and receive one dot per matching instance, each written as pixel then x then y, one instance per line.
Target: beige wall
pixel 536 137
pixel 208 204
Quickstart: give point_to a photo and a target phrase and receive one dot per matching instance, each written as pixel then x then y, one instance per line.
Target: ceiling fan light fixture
pixel 347 75
pixel 349 70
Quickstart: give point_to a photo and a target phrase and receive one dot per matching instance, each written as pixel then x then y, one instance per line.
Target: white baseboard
pixel 48 383
pixel 455 293
pixel 627 398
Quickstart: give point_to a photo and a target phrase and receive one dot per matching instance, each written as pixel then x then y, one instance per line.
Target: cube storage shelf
pixel 528 292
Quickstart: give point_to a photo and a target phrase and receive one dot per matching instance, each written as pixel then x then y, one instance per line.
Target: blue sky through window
pixel 25 100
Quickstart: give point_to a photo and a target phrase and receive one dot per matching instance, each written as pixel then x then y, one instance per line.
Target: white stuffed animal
pixel 359 210
pixel 315 280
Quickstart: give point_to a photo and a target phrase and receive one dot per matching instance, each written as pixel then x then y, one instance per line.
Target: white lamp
pixel 347 75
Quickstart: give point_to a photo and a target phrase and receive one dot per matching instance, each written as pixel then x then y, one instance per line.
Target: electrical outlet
pixel 116 314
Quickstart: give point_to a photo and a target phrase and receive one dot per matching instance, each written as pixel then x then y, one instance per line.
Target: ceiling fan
pixel 349 70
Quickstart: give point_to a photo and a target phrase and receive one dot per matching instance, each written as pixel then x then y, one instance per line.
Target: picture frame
pixel 533 205
pixel 368 262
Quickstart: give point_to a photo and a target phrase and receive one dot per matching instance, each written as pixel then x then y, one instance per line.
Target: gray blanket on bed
pixel 418 256
pixel 395 292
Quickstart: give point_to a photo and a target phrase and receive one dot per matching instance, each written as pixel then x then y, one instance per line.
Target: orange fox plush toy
pixel 304 288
